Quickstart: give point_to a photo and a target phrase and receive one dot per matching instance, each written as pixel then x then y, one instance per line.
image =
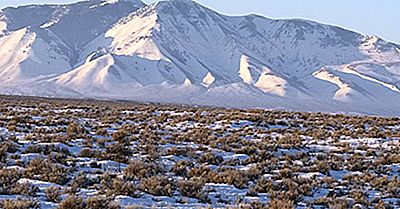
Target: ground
pixel 58 153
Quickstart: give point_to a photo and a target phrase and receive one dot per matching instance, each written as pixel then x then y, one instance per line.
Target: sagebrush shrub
pixel 47 171
pixel 100 202
pixel 53 194
pixel 19 204
pixel 193 188
pixel 72 202
pixel 139 169
pixel 158 186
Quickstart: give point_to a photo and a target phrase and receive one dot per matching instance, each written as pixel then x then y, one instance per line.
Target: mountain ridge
pixel 182 52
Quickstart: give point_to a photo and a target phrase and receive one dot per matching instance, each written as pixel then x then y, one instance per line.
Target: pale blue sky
pixel 381 17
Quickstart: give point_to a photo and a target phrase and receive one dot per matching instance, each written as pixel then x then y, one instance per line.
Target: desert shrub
pixel 264 185
pixel 46 149
pixel 118 152
pixel 8 178
pixel 203 171
pixel 281 204
pixel 100 202
pixel 89 153
pixel 286 189
pixel 26 189
pixel 119 135
pixel 251 205
pixel 80 181
pixel 47 171
pixel 158 186
pixel 72 202
pixel 257 170
pixel 252 192
pixel 331 202
pixel 152 151
pixel 139 169
pixel 33 149
pixel 233 177
pixel 181 151
pixel 88 142
pixel 192 188
pixel 19 204
pixel 53 194
pixel 380 204
pixel 322 167
pixel 102 132
pixel 75 130
pixel 9 183
pixel 111 185
pixel 211 159
pixel 181 168
pixel 5 148
pixel 102 142
pixel 56 157
pixel 359 197
pixel 285 173
pixel 248 150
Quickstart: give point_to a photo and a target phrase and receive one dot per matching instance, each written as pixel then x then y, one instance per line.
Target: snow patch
pixel 3 26
pixel 349 70
pixel 272 84
pixel 344 90
pixel 131 36
pixel 208 80
pixel 187 82
pixel 244 71
pixel 97 75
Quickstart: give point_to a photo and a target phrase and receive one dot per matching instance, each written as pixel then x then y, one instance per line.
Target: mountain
pixel 45 40
pixel 179 51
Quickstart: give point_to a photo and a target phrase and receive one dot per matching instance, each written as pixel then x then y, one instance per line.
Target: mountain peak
pixel 75 24
pixel 178 4
pixel 178 1
pixel 108 2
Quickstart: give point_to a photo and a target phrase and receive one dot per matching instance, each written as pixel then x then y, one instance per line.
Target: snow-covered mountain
pixel 178 51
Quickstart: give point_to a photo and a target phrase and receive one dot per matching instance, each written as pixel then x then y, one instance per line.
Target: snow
pixel 344 89
pixel 135 30
pixel 244 71
pixel 56 18
pixel 221 195
pixel 3 26
pixel 389 86
pixel 208 80
pixel 108 2
pixel 182 52
pixel 42 185
pixel 272 84
pixel 96 75
pixel 28 57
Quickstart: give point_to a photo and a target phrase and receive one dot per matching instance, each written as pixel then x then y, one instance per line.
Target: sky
pixel 370 17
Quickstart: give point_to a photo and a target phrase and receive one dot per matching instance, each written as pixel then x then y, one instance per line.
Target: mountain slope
pixel 27 56
pixel 181 52
pixel 75 25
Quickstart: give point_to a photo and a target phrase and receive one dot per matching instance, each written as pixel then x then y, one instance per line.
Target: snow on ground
pixel 238 157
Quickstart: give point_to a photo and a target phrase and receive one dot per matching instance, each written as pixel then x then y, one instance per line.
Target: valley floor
pixel 57 153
